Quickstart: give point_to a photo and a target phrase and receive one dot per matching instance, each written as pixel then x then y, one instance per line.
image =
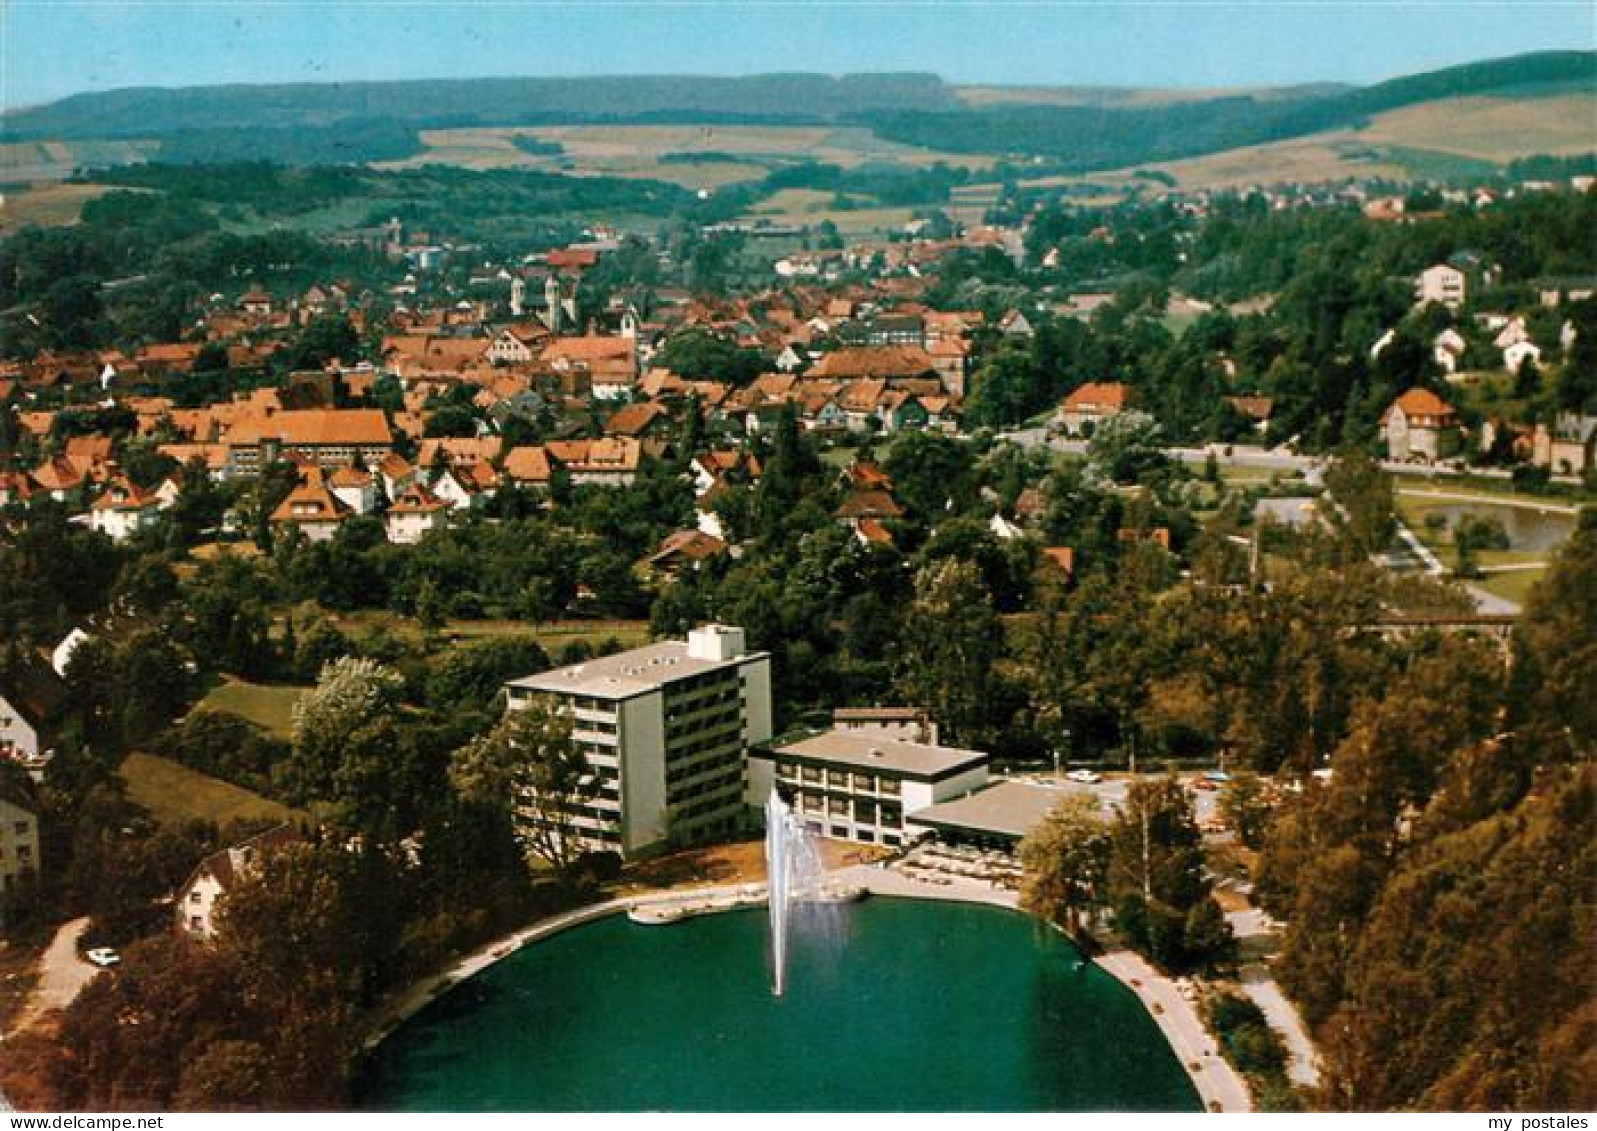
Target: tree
pixel 1246 807
pixel 1555 649
pixel 1127 448
pixel 1066 859
pixel 932 474
pixel 529 766
pixel 948 647
pixel 702 354
pixel 327 338
pixel 350 759
pixel 1365 511
pixel 1156 879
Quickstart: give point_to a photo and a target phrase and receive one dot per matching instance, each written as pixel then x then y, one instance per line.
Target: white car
pixel 103 957
pixel 1086 777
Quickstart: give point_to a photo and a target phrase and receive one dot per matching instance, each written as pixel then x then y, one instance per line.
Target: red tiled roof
pixel 315 427
pixel 1101 396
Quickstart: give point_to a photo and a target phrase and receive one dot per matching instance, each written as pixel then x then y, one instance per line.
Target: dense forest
pixel 1439 886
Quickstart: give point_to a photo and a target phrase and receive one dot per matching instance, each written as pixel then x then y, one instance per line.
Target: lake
pixel 892 1005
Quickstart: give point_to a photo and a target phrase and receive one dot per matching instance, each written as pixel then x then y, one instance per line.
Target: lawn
pixel 1512 586
pixel 268 706
pixel 173 794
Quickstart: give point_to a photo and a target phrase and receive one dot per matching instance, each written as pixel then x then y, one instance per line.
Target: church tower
pixel 551 298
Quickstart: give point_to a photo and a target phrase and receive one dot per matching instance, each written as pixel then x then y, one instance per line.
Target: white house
pixel 1519 353
pixel 31 700
pixel 450 487
pixel 1419 425
pixel 1442 283
pixel 19 831
pixel 1511 333
pixel 355 487
pixel 123 509
pixel 1003 529
pixel 220 873
pixel 1447 349
pixel 416 513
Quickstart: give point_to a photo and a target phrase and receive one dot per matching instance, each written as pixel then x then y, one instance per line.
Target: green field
pixel 268 706
pixel 642 150
pixel 800 207
pixel 1514 586
pixel 173 794
pixel 1440 137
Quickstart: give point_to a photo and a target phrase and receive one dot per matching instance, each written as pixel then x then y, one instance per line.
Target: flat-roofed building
pixel 862 786
pixel 996 817
pixel 912 724
pixel 667 728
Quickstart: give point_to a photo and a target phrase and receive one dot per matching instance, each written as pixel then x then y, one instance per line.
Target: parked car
pixel 1086 777
pixel 103 957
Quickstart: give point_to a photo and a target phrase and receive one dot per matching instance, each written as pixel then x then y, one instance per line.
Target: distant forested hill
pixel 360 122
pixel 438 103
pixel 1101 137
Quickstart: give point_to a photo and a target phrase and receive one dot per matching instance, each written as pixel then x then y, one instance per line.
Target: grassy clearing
pixel 637 151
pixel 1513 586
pixel 268 706
pixel 46 205
pixel 173 794
pixel 1401 143
pixel 1490 129
pixel 811 206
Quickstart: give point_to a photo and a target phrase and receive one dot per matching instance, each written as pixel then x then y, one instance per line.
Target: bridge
pixel 1500 625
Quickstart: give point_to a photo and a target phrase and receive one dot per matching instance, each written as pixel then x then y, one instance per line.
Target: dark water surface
pixel 900 1005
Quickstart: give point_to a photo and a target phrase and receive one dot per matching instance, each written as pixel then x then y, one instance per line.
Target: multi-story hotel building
pixel 862 786
pixel 667 728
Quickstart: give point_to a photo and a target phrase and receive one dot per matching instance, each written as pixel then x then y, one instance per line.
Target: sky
pixel 52 48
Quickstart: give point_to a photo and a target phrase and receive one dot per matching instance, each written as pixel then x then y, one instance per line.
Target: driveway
pixel 61 975
pixel 1255 933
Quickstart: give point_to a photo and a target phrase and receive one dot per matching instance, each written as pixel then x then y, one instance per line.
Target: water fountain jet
pixel 792 873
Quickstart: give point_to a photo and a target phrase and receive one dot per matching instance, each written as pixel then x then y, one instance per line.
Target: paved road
pixel 1219 1085
pixel 61 975
pixel 1241 455
pixel 1270 459
pixel 1255 933
pixel 1303 1063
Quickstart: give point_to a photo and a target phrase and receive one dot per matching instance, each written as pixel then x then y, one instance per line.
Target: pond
pixel 1533 531
pixel 900 1005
